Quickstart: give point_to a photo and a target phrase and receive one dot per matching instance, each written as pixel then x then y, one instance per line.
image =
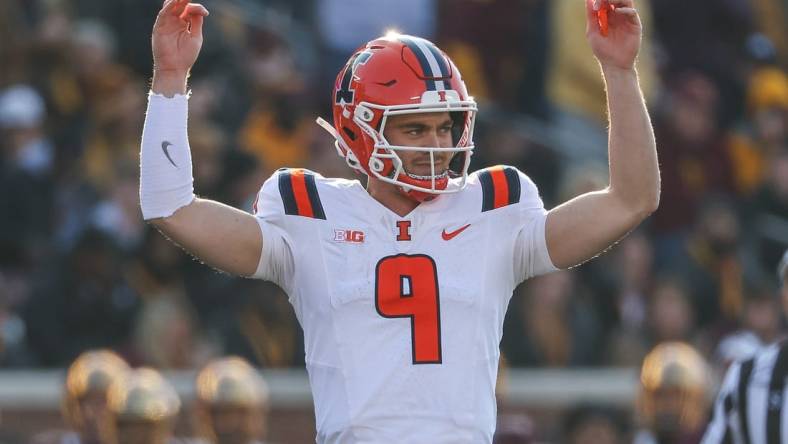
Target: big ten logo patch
pixel 349 236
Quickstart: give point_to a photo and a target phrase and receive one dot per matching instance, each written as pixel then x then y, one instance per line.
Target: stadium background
pixel 79 269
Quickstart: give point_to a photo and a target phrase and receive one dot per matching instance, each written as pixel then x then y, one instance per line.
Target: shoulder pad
pixel 500 187
pixel 299 193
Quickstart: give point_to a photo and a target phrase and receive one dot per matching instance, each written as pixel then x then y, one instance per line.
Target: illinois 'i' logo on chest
pixel 404 230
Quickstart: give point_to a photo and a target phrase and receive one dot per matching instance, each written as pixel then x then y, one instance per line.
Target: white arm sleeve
pixel 531 257
pixel 277 263
pixel 276 259
pixel 166 181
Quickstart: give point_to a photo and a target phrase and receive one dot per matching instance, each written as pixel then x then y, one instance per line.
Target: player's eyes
pixel 418 132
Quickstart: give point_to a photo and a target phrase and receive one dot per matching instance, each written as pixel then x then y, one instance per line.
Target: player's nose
pixel 435 138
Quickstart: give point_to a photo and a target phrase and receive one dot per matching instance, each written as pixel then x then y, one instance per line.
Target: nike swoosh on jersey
pixel 165 147
pixel 450 235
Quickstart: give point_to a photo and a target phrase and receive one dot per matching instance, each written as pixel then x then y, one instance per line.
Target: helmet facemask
pixel 386 164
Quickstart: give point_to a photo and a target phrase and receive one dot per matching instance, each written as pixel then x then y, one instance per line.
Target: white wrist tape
pixel 166 181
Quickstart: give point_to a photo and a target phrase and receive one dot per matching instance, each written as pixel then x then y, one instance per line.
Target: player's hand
pixel 177 37
pixel 619 48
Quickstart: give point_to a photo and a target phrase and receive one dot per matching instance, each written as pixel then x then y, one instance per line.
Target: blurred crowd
pixel 80 270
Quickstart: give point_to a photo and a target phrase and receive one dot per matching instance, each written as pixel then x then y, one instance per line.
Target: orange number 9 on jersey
pixel 406 286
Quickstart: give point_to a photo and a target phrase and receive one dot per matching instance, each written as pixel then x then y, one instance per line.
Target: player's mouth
pixel 445 173
pixel 426 168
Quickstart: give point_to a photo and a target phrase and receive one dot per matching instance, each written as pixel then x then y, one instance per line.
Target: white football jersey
pixel 402 315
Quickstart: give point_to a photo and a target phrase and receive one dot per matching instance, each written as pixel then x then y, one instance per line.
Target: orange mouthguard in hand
pixel 601 16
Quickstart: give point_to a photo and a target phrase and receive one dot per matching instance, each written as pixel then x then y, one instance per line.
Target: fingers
pixel 591 8
pixel 194 14
pixel 172 7
pixel 196 24
pixel 193 10
pixel 629 14
pixel 627 11
pixel 623 8
pixel 182 15
pixel 167 10
pixel 622 3
pixel 167 7
pixel 617 4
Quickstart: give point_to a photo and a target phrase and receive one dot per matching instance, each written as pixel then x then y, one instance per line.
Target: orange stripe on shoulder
pixel 500 187
pixel 301 195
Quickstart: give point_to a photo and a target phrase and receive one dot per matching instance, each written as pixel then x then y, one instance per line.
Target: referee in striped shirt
pixel 751 406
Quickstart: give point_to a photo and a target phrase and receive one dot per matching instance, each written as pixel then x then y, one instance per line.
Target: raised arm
pixel 585 226
pixel 219 235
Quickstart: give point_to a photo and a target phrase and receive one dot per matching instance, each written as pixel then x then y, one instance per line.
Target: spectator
pixel 26 164
pixel 505 69
pixel 628 276
pixel 764 133
pixel 708 37
pixel 760 325
pixel 550 325
pixel 85 303
pixel 278 128
pixel 671 316
pixel 692 154
pixel 712 264
pixel 595 424
pixel 167 336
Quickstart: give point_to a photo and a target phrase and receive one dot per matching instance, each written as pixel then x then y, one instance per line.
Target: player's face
pixel 236 425
pixel 142 432
pixel 93 411
pixel 421 130
pixel 671 408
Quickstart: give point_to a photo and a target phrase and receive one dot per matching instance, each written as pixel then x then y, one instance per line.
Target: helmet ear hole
pixel 349 133
pixel 458 119
pixel 376 164
pixel 364 113
pixel 457 163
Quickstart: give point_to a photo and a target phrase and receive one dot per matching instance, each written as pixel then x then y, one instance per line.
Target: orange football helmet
pixel 394 75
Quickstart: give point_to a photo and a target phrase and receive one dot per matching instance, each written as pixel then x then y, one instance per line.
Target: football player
pixel 232 402
pixel 143 408
pixel 400 284
pixel 84 401
pixel 674 395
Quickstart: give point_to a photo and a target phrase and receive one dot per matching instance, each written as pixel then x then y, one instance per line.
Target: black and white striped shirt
pixel 750 408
